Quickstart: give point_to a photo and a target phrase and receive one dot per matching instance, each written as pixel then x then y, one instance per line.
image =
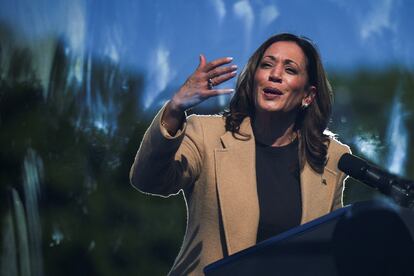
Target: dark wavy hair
pixel 310 123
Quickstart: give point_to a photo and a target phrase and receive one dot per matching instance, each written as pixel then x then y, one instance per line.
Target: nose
pixel 275 74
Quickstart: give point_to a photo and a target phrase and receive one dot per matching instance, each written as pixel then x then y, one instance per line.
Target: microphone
pixel 375 177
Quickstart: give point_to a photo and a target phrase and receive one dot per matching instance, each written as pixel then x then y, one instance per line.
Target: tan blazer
pixel 217 175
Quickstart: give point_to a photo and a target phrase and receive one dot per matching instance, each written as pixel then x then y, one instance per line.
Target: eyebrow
pixel 287 61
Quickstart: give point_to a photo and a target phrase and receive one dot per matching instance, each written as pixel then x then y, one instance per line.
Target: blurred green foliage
pixel 363 103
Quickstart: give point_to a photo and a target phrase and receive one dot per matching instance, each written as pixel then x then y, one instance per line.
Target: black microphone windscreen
pixel 352 165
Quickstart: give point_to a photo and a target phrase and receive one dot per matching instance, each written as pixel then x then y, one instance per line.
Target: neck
pixel 274 129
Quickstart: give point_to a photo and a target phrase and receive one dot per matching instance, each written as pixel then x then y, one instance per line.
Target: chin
pixel 268 106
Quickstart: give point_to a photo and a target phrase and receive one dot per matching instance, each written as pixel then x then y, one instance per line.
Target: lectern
pixel 366 238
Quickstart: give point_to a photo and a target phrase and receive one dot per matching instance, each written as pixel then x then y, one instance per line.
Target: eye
pixel 291 70
pixel 265 65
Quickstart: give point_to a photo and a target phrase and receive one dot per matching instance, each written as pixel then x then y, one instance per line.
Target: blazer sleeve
pixel 165 164
pixel 340 185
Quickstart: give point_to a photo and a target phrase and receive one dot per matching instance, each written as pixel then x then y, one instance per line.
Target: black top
pixel 278 189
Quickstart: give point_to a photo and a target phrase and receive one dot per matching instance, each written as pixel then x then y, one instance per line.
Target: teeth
pixel 272 91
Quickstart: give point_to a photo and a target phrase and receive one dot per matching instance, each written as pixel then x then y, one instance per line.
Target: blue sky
pixel 164 38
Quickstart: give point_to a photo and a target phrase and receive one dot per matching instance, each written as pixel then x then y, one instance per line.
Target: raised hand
pixel 197 88
pixel 200 85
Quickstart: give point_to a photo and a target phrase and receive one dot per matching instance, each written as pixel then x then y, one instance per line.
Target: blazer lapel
pixel 237 192
pixel 317 192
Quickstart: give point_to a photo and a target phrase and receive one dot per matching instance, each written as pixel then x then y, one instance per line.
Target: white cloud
pixel 75 31
pixel 220 8
pixel 397 137
pixel 268 15
pixel 244 11
pixel 76 26
pixel 112 43
pixel 160 74
pixel 378 19
pixel 112 52
pixel 163 68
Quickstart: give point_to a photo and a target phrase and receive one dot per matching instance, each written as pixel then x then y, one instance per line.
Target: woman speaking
pixel 265 165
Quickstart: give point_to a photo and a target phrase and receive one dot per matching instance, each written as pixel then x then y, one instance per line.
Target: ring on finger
pixel 210 84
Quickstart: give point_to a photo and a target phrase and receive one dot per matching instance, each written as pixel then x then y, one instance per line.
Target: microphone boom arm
pixel 399 189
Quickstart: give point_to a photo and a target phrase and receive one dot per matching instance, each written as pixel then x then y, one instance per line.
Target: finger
pixel 221 71
pixel 218 62
pixel 202 61
pixel 219 80
pixel 223 91
pixel 216 92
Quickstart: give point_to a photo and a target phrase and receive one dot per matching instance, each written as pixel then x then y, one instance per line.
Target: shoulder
pixel 335 150
pixel 206 118
pixel 208 123
pixel 335 145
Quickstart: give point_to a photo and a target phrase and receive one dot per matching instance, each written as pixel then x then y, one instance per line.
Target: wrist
pixel 173 118
pixel 175 106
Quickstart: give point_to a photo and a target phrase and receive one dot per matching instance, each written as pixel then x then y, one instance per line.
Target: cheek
pixel 296 84
pixel 255 93
pixel 259 77
pixel 255 88
pixel 297 88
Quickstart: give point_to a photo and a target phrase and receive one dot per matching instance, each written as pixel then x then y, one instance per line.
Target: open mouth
pixel 272 91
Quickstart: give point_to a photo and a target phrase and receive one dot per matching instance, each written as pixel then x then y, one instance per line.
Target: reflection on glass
pixel 79 81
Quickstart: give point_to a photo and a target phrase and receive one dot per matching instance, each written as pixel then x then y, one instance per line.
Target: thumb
pixel 202 61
